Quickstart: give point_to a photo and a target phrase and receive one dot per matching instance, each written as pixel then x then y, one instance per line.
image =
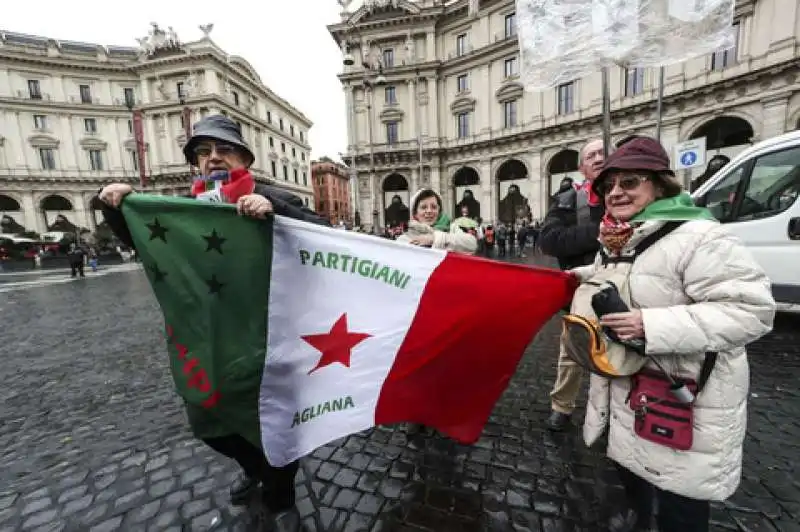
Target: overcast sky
pixel 285 40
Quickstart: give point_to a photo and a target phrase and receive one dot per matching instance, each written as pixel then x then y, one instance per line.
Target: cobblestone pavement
pixel 92 438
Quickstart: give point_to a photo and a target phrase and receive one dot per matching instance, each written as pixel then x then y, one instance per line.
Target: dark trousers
pixel 77 267
pixel 277 482
pixel 675 512
pixel 501 247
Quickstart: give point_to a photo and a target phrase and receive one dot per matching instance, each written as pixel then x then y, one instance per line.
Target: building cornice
pixel 553 135
pixel 49 106
pixel 184 59
pixel 239 114
pixel 220 63
pixel 66 63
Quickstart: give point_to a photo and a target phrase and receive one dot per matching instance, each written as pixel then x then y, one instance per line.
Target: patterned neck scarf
pixel 614 234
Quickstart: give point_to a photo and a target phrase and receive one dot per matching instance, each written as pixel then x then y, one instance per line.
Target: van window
pixel 721 198
pixel 773 186
pixel 757 188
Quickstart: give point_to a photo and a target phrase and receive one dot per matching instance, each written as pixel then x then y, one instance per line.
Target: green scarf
pixel 680 207
pixel 466 222
pixel 442 223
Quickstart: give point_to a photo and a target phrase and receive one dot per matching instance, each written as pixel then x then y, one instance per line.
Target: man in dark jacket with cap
pixel 224 158
pixel 569 233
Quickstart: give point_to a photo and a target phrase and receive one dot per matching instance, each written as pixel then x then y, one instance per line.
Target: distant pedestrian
pixel 93 259
pixel 76 257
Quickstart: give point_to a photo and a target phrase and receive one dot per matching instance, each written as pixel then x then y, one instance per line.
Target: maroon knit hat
pixel 640 153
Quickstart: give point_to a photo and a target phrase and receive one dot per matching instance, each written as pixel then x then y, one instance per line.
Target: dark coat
pixel 570 234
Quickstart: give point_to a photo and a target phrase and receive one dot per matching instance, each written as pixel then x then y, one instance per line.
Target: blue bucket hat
pixel 219 128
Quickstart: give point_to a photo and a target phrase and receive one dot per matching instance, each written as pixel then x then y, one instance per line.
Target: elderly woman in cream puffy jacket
pixel 431 227
pixel 696 290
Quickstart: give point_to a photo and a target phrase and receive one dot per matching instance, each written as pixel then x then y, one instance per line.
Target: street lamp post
pixel 372 74
pixel 186 115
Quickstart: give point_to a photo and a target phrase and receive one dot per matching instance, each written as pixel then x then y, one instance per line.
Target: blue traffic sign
pixel 688 158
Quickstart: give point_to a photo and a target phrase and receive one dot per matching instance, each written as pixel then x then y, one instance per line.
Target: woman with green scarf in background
pixel 430 227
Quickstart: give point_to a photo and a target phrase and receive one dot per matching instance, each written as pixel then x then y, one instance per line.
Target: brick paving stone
pixel 94 438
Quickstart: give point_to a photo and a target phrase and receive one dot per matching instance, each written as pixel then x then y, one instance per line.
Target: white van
pixel 756 195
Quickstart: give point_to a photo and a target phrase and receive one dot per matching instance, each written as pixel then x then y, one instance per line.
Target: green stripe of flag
pixel 210 270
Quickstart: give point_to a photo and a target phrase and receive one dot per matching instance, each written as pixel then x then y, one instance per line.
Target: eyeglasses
pixel 204 150
pixel 625 182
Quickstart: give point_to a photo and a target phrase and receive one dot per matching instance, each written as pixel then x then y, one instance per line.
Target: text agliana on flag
pixel 355 265
pixel 334 405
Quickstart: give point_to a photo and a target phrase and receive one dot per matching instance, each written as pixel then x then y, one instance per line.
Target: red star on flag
pixel 336 345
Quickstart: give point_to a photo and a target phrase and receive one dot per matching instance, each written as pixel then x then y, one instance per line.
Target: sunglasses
pixel 204 150
pixel 625 182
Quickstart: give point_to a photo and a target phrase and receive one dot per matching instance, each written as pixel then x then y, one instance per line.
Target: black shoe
pixel 286 521
pixel 242 490
pixel 558 421
pixel 627 521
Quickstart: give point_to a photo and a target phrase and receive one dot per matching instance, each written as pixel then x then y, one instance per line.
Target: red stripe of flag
pixel 475 319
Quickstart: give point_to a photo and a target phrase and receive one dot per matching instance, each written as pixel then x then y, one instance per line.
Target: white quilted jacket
pixel 455 240
pixel 699 290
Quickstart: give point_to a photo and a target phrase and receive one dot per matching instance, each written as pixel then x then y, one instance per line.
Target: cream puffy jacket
pixel 699 290
pixel 455 240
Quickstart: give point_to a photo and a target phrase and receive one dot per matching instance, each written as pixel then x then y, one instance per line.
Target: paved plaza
pixel 93 438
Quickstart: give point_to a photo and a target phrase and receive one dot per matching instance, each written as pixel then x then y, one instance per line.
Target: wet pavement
pixel 93 438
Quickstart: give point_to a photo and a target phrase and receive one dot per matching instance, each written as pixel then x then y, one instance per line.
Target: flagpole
pixel 606 111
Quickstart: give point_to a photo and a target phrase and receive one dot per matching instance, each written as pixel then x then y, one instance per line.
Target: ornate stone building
pixel 66 124
pixel 434 99
pixel 331 183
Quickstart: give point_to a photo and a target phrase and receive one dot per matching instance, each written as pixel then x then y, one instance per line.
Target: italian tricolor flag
pixel 293 334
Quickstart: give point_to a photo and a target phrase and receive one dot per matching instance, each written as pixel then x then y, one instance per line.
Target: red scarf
pixel 240 183
pixel 614 234
pixel 594 199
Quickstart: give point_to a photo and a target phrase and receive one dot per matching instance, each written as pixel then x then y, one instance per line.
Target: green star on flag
pixel 293 335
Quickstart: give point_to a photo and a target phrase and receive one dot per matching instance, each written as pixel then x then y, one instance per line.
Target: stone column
pixel 350 104
pixel 211 81
pixel 153 154
pixel 81 208
pixel 144 91
pixel 412 110
pixel 415 180
pixel 172 145
pixel 483 116
pixel 782 31
pixel 436 178
pixel 536 202
pixel 31 218
pixel 487 190
pixel 430 46
pixel 774 116
pixel 433 109
pixel 69 148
